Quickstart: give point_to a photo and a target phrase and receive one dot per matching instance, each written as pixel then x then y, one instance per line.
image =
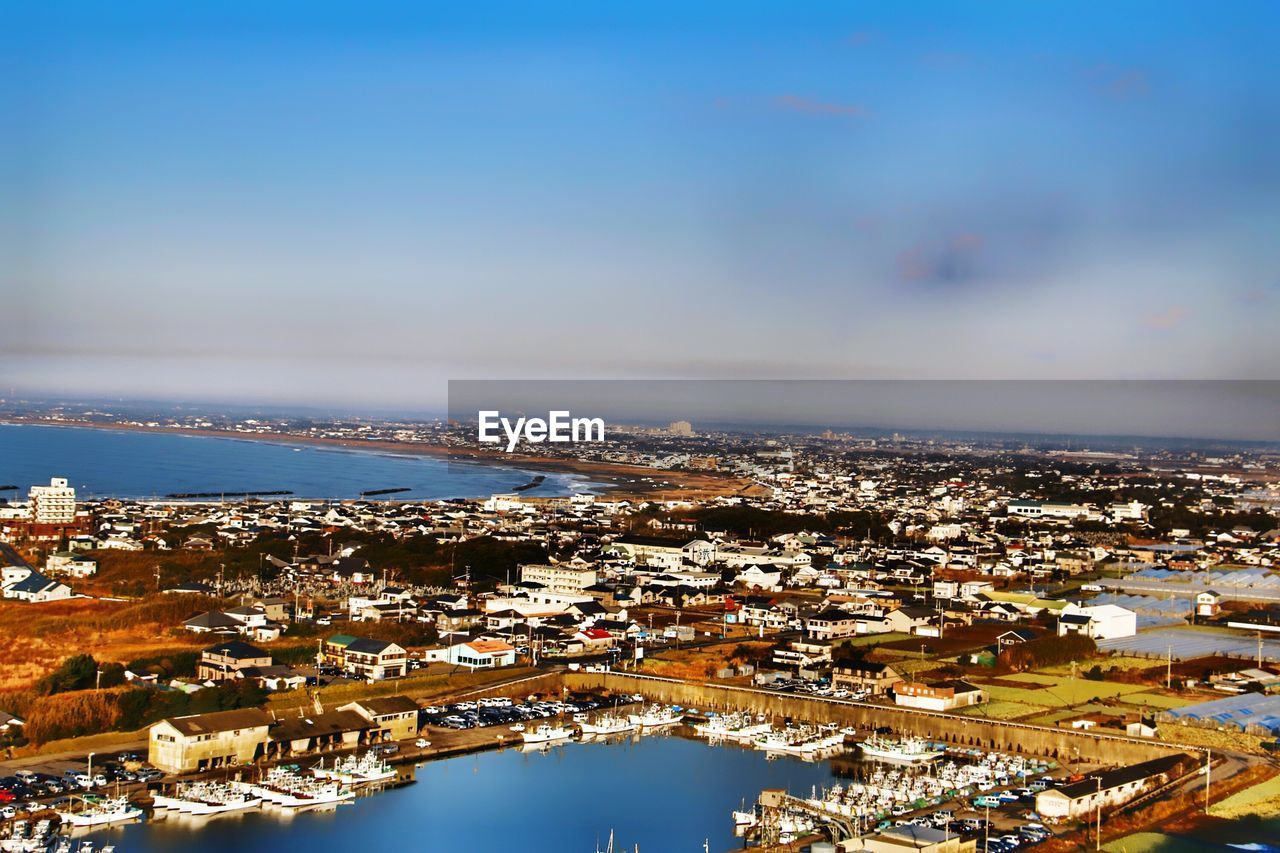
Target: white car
pixel 422 743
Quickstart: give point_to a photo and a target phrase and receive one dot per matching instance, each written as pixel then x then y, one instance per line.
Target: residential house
pixel 366 658
pixel 226 660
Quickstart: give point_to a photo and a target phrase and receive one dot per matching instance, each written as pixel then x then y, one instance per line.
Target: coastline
pixel 617 481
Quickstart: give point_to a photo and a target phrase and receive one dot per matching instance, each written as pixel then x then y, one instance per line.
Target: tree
pixel 78 672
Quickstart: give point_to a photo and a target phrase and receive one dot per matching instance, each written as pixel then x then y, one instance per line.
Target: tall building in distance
pixel 54 503
pixel 684 429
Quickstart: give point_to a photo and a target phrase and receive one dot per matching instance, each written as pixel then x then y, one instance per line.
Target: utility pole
pixel 1097 841
pixel 1208 771
pixel 1168 673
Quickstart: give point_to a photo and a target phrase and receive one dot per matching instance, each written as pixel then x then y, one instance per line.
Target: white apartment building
pixel 54 503
pixel 570 579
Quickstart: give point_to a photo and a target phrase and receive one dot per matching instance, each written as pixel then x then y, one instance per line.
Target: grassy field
pixel 1261 799
pixel 998 711
pixel 872 640
pixel 35 637
pixel 1064 692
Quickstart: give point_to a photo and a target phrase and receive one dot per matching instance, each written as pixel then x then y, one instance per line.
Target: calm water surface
pixel 118 463
pixel 664 793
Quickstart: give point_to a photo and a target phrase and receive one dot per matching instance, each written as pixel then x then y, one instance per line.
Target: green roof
pixel 343 640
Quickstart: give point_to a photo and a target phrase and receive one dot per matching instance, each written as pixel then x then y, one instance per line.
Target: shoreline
pixel 615 480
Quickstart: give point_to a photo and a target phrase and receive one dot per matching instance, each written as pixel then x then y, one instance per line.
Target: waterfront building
pixel 395 716
pixel 207 741
pixel 1105 789
pixel 939 696
pixel 865 676
pixel 318 732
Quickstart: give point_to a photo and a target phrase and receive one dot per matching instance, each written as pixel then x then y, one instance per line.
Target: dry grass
pixel 34 638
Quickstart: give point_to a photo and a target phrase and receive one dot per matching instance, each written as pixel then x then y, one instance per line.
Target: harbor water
pixel 664 793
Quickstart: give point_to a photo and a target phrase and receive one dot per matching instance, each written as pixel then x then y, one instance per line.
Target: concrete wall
pixel 1062 744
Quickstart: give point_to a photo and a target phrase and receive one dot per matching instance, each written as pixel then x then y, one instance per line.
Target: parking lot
pixel 507 711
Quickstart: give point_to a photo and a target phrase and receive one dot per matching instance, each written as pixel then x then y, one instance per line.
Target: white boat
pixel 101 813
pixel 608 724
pixel 288 789
pixel 732 727
pixel 351 770
pixel 655 716
pixel 911 750
pixel 546 733
pixel 206 798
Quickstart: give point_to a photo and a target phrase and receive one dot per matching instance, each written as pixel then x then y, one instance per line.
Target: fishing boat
pixel 100 812
pixel 206 798
pixel 608 724
pixel 350 770
pixel 732 727
pixel 546 733
pixel 911 750
pixel 287 788
pixel 656 716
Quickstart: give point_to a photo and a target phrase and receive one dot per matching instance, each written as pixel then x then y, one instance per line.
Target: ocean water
pixel 666 794
pixel 119 463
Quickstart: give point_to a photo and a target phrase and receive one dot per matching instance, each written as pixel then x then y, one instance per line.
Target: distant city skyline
pixel 341 204
pixel 1214 410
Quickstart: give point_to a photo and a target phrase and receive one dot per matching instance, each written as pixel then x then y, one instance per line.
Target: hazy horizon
pixel 1229 411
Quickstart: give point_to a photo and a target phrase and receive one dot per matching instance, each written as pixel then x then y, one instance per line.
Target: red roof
pixel 596 634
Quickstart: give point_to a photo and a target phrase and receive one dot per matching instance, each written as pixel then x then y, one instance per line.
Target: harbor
pixel 804 781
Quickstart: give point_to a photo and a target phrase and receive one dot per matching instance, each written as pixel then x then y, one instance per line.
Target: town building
pixel 564 578
pixel 54 503
pixel 864 676
pixel 482 654
pixel 1101 622
pixel 939 696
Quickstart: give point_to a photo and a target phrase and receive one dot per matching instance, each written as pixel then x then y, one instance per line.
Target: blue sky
pixel 351 203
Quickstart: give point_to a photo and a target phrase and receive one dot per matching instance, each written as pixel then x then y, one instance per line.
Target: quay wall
pixel 1064 745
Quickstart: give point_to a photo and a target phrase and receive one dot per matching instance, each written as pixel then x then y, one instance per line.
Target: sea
pixel 141 464
pixel 662 794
